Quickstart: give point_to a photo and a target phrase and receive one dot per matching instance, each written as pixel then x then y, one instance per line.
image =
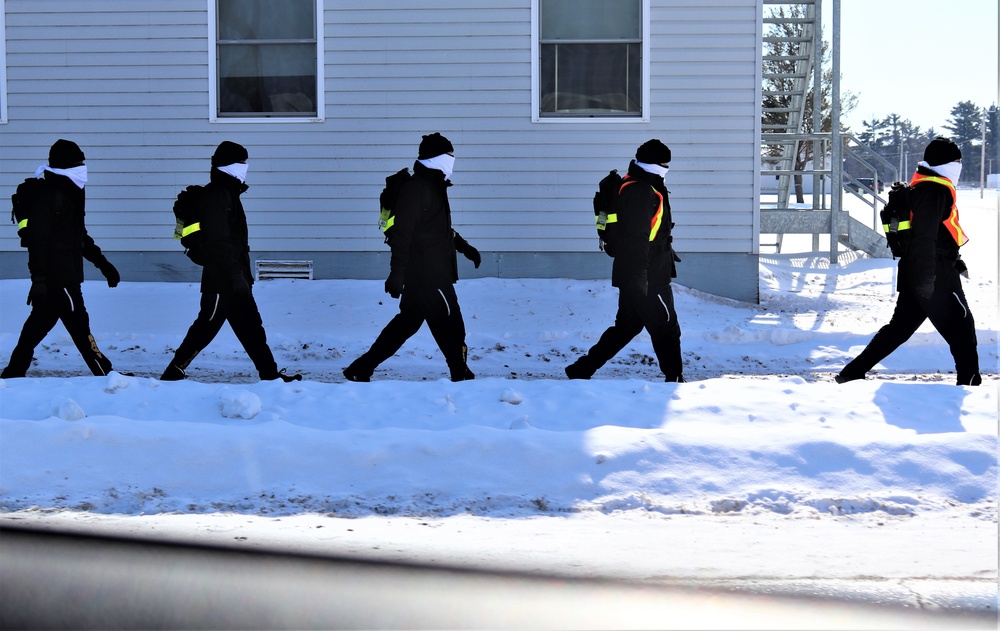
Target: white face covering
pixel 237 169
pixel 655 169
pixel 444 163
pixel 77 174
pixel 952 170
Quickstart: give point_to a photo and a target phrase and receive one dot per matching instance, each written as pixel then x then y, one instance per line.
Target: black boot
pixel 173 373
pixel 844 378
pixel 576 371
pixel 462 374
pixel 10 374
pixel 281 375
pixel 352 374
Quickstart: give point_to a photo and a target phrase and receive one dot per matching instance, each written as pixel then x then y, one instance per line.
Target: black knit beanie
pixel 653 152
pixel 434 145
pixel 65 154
pixel 940 151
pixel 229 153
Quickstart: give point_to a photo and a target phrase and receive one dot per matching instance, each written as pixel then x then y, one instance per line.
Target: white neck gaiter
pixel 77 174
pixel 444 163
pixel 952 170
pixel 655 169
pixel 237 169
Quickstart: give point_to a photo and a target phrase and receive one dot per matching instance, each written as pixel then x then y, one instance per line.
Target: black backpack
pixel 896 219
pixel 387 201
pixel 187 228
pixel 22 202
pixel 606 212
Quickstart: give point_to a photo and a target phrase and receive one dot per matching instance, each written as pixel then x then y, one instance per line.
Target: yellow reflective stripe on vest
pixel 654 224
pixel 951 222
pixel 22 224
pixel 188 230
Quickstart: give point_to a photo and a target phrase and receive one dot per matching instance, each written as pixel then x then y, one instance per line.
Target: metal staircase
pixel 793 44
pixel 792 79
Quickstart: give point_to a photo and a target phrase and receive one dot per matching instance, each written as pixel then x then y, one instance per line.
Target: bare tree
pixel 781 85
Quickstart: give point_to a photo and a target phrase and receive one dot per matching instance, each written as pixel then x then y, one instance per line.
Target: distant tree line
pixel 902 143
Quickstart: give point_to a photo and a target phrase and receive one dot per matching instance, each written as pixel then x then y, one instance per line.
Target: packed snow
pixel 760 465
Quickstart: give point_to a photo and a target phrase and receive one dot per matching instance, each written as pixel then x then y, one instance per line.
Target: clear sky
pixel 916 58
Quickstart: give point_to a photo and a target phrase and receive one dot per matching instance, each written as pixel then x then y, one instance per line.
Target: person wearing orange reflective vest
pixel 929 281
pixel 643 268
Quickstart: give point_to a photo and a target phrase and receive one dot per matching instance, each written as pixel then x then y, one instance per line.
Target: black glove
pixel 961 267
pixel 109 272
pixel 394 284
pixel 241 289
pixel 38 293
pixel 639 286
pixel 924 287
pixel 462 247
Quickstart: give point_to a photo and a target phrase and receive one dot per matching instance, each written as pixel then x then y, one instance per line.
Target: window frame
pixel 263 117
pixel 536 49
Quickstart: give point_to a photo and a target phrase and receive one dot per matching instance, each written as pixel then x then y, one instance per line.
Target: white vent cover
pixel 268 270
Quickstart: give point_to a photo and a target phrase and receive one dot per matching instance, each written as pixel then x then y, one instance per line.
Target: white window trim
pixel 4 94
pixel 601 120
pixel 213 76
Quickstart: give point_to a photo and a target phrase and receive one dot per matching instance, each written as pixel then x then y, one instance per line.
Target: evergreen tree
pixel 965 129
pixel 993 140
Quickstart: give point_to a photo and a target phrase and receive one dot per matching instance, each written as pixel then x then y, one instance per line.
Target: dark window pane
pixel 267 57
pixel 271 78
pixel 591 79
pixel 591 19
pixel 266 19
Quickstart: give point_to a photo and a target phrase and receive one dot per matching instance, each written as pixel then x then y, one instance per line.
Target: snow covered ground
pixel 758 470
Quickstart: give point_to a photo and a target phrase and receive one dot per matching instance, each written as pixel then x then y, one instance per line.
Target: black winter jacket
pixel 639 261
pixel 423 243
pixel 58 240
pixel 931 250
pixel 226 240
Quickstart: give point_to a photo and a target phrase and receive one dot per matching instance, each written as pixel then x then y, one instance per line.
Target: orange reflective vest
pixel 951 222
pixel 654 223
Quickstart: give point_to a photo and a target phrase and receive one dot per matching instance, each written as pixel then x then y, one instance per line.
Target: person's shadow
pixel 924 408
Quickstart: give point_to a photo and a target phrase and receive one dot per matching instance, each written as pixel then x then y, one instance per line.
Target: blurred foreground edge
pixel 71 580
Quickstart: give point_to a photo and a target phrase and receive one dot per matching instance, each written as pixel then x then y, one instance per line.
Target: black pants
pixel 948 311
pixel 62 303
pixel 653 311
pixel 243 316
pixel 438 306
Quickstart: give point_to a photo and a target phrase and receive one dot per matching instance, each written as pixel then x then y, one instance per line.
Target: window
pixel 591 59
pixel 267 59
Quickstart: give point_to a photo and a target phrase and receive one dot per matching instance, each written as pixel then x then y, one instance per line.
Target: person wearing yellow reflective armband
pixel 226 279
pixel 54 231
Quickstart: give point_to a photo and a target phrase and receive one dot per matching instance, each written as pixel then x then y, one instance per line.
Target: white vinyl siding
pixel 3 65
pixel 130 82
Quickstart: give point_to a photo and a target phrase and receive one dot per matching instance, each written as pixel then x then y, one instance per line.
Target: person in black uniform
pixel 57 241
pixel 929 282
pixel 642 271
pixel 423 266
pixel 226 278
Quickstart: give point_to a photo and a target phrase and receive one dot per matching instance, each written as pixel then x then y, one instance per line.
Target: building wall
pixel 129 83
